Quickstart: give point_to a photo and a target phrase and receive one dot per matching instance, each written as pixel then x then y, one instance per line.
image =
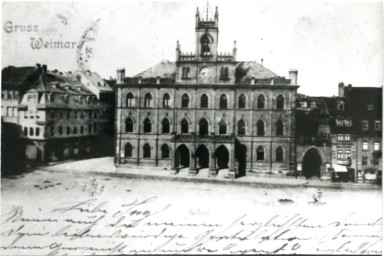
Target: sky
pixel 327 42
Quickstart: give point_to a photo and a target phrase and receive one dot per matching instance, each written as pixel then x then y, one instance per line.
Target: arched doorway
pixel 222 157
pixel 182 156
pixel 202 154
pixel 312 163
pixel 241 157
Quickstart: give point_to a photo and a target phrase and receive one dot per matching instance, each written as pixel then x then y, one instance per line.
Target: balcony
pixel 204 139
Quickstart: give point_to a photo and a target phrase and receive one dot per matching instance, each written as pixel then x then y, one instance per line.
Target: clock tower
pixel 207 35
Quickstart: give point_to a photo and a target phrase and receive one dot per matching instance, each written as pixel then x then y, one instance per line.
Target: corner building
pixel 207 110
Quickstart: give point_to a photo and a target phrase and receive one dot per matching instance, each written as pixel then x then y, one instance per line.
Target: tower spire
pixel 207 11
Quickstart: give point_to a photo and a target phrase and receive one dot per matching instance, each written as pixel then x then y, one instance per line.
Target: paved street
pixel 39 192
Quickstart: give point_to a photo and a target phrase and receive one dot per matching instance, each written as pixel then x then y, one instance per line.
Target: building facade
pixel 207 110
pixel 61 117
pixel 340 134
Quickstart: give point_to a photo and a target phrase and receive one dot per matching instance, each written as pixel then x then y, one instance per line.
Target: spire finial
pixel 207 10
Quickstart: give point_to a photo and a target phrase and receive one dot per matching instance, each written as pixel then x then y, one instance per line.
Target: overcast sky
pixel 328 42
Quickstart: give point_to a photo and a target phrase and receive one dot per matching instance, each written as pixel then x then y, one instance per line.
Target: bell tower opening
pixel 207 30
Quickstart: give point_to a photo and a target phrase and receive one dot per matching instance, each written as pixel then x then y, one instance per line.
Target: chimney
pixel 45 69
pixel 293 76
pixel 234 51
pixel 252 80
pixel 120 75
pixel 139 80
pixel 158 80
pixel 262 62
pixel 38 65
pixel 341 89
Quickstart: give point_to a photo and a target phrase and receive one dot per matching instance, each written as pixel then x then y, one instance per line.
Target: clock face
pixel 206 72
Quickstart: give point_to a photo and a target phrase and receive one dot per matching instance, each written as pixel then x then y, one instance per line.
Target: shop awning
pixel 340 168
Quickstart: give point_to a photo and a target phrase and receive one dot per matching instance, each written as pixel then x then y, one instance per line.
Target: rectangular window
pixel 10 94
pixel 339 154
pixel 365 146
pixel 340 137
pixel 31 131
pixel 376 146
pixel 14 111
pixel 364 125
pixel 377 125
pixel 375 161
pixel 347 154
pixel 364 160
pixel 37 131
pixel 313 105
pixel 3 94
pixel 26 114
pixel 348 122
pixel 31 114
pixel 9 111
pixel 347 137
pixel 339 122
pixel 16 94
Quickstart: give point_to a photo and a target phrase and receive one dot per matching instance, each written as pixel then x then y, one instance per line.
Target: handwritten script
pixel 144 226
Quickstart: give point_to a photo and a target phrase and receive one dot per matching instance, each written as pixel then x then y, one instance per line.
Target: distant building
pixel 63 115
pixel 14 81
pixel 340 132
pixel 207 110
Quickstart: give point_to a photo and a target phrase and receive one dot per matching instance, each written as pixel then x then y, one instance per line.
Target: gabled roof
pixel 249 69
pixel 15 77
pixel 164 69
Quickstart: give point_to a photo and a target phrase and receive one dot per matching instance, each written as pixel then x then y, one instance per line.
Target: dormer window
pixel 340 106
pixel 348 122
pixel 339 122
pixel 364 125
pixel 370 107
pixel 377 125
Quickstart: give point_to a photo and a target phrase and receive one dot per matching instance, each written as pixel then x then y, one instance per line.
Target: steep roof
pixel 15 77
pixel 244 69
pixel 164 69
pixel 96 80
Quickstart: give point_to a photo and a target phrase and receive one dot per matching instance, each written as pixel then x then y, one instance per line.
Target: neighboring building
pixel 61 116
pixel 207 110
pixel 341 132
pixel 14 81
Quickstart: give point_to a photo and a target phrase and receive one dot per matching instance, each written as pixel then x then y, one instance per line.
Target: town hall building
pixel 207 110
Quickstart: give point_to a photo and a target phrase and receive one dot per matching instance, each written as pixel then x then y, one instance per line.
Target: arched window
pixel 31 132
pixel 241 127
pixel 279 154
pixel 68 130
pixel 75 130
pixel 222 127
pixel 280 102
pixel 146 151
pixel 130 100
pixel 164 151
pixel 166 100
pixel 148 100
pixel 261 102
pixel 204 101
pixel 128 150
pixel 187 72
pixel 81 129
pixel 147 125
pixel 128 125
pixel 260 128
pixel 242 101
pixel 165 126
pixel 222 73
pixel 226 73
pixel 279 128
pixel 260 154
pixel 184 100
pixel 203 127
pixel 223 102
pixel 205 45
pixel 184 126
pixel 183 71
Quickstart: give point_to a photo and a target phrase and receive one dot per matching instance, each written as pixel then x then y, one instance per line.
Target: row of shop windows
pixel 204 101
pixel 204 127
pixel 165 152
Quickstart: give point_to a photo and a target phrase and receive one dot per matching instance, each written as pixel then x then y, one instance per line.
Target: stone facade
pixel 207 110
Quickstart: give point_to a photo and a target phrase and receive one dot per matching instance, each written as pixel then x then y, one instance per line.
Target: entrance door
pixel 202 154
pixel 182 157
pixel 241 157
pixel 222 157
pixel 312 163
